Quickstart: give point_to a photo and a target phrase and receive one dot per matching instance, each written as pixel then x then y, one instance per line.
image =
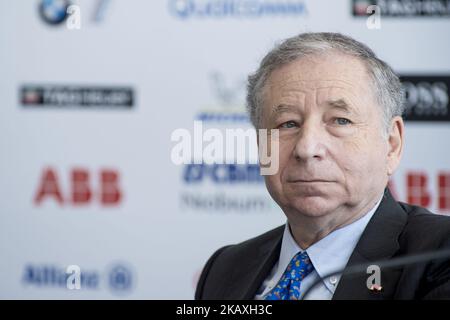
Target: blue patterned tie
pixel 288 288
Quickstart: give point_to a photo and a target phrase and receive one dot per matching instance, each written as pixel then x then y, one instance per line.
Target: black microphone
pixel 396 262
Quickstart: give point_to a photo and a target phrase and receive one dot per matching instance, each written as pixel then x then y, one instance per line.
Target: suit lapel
pixel 249 276
pixel 379 241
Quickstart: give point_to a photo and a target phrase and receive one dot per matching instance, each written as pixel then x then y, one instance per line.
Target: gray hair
pixel 387 87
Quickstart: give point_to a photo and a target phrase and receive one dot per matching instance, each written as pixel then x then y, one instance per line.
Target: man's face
pixel 332 152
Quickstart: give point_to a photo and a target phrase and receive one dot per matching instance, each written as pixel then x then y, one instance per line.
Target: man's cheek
pixel 274 186
pixel 285 153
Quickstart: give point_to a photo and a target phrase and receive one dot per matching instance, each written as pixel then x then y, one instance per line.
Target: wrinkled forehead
pixel 324 76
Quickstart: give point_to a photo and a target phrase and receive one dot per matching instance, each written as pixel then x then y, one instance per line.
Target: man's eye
pixel 288 124
pixel 342 121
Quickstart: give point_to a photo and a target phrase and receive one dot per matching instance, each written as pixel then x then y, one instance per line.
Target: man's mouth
pixel 310 181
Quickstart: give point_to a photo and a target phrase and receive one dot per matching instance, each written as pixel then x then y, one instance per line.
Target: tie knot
pixel 300 266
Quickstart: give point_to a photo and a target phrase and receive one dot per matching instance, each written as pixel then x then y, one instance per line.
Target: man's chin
pixel 312 206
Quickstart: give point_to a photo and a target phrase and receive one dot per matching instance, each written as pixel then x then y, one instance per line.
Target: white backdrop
pixel 181 61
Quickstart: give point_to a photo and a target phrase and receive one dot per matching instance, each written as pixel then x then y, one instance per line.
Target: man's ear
pixel 257 137
pixel 395 141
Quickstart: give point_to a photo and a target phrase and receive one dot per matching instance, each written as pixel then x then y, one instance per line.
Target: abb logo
pixel 418 193
pixel 81 190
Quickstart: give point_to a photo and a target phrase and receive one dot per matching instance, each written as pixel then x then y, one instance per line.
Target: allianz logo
pixel 116 278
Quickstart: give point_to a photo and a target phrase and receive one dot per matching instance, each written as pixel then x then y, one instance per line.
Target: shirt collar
pixel 329 254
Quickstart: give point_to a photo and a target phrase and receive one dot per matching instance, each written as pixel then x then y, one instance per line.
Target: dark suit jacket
pixel 396 229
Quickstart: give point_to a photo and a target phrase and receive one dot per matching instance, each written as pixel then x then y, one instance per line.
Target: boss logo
pixel 427 98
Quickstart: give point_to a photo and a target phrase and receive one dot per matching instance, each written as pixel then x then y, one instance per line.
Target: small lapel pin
pixel 375 288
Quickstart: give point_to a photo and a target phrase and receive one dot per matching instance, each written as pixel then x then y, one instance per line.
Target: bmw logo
pixel 54 11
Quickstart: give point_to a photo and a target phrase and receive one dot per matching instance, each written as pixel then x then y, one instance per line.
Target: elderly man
pixel 337 108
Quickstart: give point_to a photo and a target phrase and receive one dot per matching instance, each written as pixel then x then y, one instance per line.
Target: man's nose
pixel 310 144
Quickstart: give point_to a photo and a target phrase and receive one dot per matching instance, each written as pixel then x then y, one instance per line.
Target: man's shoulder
pixel 425 231
pixel 268 237
pixel 250 247
pixel 217 273
pixel 425 228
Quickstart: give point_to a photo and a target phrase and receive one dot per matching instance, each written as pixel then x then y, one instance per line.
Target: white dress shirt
pixel 329 254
